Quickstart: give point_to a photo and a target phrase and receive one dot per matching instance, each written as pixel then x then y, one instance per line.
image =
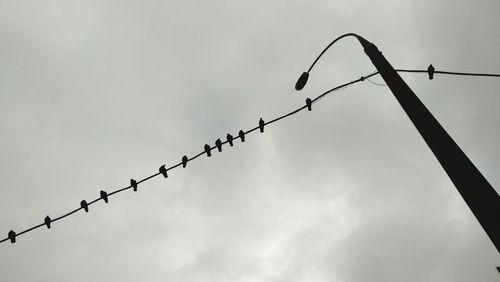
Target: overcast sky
pixel 93 93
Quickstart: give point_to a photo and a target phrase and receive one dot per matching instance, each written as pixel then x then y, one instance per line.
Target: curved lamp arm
pixel 301 82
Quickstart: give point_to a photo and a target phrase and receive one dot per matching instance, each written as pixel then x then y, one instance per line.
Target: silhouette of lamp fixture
pixel 481 198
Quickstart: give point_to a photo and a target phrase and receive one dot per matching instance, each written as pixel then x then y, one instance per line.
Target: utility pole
pixel 482 199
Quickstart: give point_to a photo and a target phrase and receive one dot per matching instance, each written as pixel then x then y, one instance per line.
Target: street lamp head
pixel 301 82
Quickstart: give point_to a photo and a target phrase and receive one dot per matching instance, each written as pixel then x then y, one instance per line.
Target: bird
pixel 104 196
pixel 218 143
pixel 430 71
pixel 12 236
pixel 47 221
pixel 207 150
pixel 184 161
pixel 163 171
pixel 230 139
pixel 261 125
pixel 309 104
pixel 84 205
pixel 242 135
pixel 133 183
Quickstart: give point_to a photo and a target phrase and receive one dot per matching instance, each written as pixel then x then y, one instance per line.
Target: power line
pixel 375 83
pixel 452 73
pixel 229 139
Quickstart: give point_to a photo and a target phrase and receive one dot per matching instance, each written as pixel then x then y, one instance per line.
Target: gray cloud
pixel 94 93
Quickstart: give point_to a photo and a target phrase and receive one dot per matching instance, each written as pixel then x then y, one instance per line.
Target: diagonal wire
pixel 375 83
pixel 317 99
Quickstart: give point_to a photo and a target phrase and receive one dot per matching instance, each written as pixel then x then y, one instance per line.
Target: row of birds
pixel 162 170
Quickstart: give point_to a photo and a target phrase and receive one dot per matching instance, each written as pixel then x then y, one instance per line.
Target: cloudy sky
pixel 93 93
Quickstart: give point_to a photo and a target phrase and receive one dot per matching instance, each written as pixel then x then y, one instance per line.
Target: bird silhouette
pixel 430 71
pixel 47 221
pixel 242 135
pixel 163 171
pixel 104 196
pixel 218 143
pixel 84 205
pixel 309 104
pixel 207 150
pixel 184 161
pixel 12 236
pixel 133 183
pixel 230 139
pixel 261 125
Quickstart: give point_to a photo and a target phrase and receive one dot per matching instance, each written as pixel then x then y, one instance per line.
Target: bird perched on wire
pixel 184 161
pixel 84 205
pixel 241 134
pixel 104 196
pixel 261 125
pixel 308 104
pixel 229 138
pixel 163 171
pixel 47 221
pixel 207 150
pixel 133 183
pixel 12 236
pixel 218 143
pixel 430 71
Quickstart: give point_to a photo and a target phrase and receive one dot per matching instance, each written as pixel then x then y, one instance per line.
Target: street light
pixel 478 194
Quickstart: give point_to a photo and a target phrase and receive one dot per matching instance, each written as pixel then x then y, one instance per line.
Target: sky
pixel 93 93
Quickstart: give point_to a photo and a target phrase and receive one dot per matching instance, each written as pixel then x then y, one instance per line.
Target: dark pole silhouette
pixel 481 198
